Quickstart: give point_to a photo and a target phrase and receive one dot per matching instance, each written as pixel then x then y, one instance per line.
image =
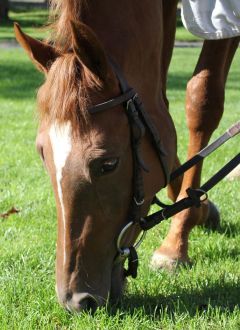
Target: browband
pixel 113 102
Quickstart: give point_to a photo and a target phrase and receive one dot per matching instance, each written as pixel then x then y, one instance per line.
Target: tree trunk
pixel 4 8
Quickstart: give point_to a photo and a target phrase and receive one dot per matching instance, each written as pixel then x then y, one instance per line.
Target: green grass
pixel 32 21
pixel 182 34
pixel 205 296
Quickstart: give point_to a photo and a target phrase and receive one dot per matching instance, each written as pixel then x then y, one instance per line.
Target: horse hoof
pixel 160 261
pixel 213 219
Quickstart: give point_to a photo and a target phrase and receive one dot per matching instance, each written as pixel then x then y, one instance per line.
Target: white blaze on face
pixel 61 141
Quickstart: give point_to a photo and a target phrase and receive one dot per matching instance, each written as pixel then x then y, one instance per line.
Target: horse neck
pixel 131 32
pixel 133 36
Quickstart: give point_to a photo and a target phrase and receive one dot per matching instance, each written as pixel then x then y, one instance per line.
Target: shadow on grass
pixel 178 80
pixel 222 298
pixel 19 80
pixel 179 20
pixel 34 18
pixel 24 23
pixel 226 229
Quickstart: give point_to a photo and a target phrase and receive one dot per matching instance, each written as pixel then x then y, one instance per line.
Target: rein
pixel 139 122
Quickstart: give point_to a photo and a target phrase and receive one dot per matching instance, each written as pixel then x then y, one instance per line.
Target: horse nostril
pixel 88 304
pixel 82 302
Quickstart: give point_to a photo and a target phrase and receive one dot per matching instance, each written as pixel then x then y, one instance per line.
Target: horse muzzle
pixel 79 302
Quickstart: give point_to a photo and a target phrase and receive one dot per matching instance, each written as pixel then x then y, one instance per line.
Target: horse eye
pixel 109 165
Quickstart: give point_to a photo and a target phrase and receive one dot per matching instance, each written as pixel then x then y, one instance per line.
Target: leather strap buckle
pixel 139 203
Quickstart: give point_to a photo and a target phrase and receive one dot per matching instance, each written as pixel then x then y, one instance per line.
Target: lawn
pixel 32 21
pixel 205 296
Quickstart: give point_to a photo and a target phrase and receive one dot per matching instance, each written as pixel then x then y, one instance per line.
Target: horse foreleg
pixel 204 109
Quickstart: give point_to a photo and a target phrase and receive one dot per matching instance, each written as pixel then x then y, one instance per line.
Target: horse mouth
pixel 118 283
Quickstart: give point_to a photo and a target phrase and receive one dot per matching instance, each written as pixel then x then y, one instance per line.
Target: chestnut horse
pixel 89 156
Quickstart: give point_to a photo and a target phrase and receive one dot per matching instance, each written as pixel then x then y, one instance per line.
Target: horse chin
pixel 118 284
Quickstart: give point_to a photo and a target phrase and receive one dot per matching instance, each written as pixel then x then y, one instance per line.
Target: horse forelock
pixel 62 12
pixel 64 95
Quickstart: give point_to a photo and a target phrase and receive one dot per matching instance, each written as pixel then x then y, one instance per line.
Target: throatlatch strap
pixel 145 118
pixel 137 132
pixel 154 137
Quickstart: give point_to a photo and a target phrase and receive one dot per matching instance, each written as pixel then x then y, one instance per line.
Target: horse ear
pixel 89 50
pixel 41 54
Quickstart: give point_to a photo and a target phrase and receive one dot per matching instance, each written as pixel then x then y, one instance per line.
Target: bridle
pixel 139 122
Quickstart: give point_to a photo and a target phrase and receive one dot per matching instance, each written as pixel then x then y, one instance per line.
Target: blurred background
pixel 30 14
pixel 6 5
pixel 33 14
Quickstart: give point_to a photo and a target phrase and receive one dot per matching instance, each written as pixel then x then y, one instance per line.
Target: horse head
pixel 89 161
